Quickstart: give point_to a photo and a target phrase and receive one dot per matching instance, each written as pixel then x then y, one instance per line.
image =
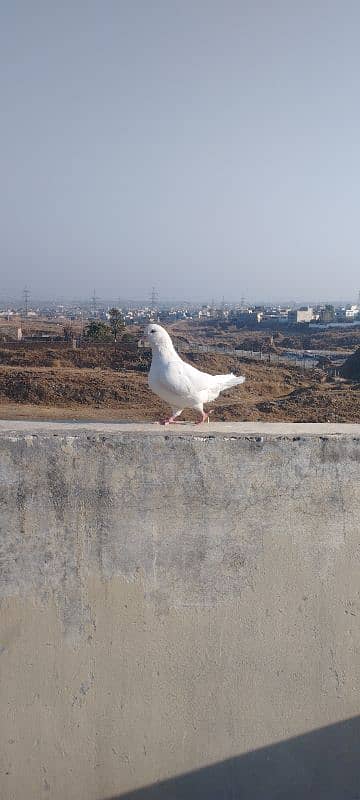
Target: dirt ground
pixel 106 383
pixel 269 393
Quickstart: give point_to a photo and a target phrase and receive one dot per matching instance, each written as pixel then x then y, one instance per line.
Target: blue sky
pixel 206 148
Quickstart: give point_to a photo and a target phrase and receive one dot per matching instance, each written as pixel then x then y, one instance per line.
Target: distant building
pixel 272 316
pixel 303 314
pixel 352 312
pixel 243 318
pixel 326 313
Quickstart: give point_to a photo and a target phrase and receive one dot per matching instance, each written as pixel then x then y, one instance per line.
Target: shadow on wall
pixel 322 765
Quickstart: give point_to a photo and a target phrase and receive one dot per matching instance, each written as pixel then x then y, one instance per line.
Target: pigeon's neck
pixel 164 351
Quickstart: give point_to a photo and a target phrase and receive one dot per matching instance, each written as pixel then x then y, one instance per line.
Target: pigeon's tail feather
pixel 220 383
pixel 227 381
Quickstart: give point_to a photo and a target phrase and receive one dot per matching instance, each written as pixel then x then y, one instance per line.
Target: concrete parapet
pixel 179 611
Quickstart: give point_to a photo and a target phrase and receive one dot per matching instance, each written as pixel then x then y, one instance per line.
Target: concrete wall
pixel 179 606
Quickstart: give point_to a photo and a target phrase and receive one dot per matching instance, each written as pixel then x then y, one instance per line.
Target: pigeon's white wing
pixel 209 386
pixel 172 384
pixel 182 385
pixel 199 380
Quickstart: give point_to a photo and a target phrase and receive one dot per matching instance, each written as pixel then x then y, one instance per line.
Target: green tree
pixel 97 331
pixel 116 322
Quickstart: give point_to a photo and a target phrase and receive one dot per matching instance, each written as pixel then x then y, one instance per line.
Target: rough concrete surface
pixel 177 599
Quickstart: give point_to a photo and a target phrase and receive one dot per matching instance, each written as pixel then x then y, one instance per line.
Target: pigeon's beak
pixel 143 342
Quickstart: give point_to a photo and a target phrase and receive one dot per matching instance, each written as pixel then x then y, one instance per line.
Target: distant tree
pixel 116 322
pixel 128 337
pixel 97 331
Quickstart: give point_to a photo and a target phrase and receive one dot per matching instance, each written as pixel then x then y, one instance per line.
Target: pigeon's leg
pixel 204 416
pixel 170 420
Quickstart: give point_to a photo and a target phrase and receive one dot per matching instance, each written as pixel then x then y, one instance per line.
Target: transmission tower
pixel 26 295
pixel 154 298
pixel 94 301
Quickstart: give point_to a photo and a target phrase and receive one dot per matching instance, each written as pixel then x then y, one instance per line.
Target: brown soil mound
pixel 100 382
pixel 66 386
pixel 128 393
pixel 62 355
pixel 316 403
pixel 351 367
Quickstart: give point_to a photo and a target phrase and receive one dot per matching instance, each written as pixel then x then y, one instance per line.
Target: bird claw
pixel 205 417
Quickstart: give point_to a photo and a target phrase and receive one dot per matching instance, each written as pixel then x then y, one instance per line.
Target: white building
pixel 303 314
pixel 352 312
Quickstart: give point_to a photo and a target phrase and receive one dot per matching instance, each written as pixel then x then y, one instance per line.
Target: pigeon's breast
pixel 168 381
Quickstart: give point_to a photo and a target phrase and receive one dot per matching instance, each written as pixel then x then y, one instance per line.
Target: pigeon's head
pixel 157 336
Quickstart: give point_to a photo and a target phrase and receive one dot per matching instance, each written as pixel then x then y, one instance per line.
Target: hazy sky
pixel 207 148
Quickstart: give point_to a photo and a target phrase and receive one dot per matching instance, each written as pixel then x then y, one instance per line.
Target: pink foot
pixel 169 421
pixel 204 417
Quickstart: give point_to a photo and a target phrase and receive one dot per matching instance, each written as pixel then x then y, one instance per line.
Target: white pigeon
pixel 180 384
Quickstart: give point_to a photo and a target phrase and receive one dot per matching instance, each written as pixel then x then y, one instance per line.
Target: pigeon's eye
pixel 153 330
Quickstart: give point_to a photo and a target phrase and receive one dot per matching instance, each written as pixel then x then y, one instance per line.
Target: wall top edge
pixel 187 430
